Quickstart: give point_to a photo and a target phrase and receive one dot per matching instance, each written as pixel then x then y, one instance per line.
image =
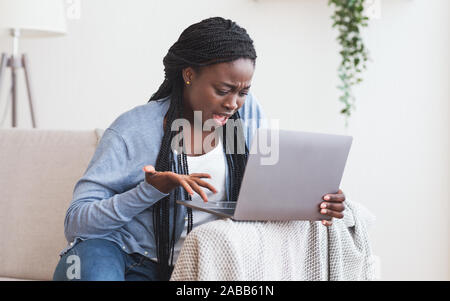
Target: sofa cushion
pixel 39 169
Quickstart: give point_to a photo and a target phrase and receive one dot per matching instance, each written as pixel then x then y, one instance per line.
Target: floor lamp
pixel 27 19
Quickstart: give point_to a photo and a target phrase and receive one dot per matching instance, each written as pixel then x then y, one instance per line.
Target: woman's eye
pixel 221 92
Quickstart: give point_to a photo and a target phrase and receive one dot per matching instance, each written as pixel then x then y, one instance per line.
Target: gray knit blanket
pixel 228 250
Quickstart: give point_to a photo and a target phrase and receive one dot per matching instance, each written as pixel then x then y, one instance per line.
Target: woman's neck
pixel 195 150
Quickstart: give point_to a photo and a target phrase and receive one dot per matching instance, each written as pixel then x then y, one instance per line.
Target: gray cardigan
pixel 112 200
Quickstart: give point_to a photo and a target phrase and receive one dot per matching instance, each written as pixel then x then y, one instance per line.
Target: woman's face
pixel 218 91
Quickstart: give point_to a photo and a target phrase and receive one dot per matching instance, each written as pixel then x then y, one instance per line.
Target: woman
pixel 124 224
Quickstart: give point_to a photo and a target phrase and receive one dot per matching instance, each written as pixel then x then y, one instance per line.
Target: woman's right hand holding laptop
pixel 166 181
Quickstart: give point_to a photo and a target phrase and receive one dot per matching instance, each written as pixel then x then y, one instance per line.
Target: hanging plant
pixel 349 18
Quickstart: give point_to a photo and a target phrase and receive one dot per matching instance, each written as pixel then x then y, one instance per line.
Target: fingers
pixel 205 184
pixel 197 189
pixel 333 206
pixel 332 213
pixel 187 187
pixel 327 223
pixel 339 197
pixel 149 169
pixel 190 183
pixel 200 175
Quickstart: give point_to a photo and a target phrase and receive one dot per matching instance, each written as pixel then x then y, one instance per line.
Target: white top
pixel 213 163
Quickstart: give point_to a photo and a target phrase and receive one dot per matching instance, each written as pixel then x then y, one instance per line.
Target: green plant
pixel 349 18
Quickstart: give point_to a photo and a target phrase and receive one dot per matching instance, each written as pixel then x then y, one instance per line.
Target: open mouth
pixel 221 119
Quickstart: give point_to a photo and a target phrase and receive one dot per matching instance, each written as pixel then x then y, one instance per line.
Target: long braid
pixel 211 41
pixel 236 158
pixel 187 196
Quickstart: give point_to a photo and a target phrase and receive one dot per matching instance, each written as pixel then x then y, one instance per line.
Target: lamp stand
pixel 16 63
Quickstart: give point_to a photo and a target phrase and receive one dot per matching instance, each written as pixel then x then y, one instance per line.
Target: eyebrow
pixel 233 86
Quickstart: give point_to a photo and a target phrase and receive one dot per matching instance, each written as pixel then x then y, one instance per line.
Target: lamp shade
pixel 34 18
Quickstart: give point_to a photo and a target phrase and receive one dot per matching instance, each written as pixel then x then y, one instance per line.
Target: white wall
pixel 399 164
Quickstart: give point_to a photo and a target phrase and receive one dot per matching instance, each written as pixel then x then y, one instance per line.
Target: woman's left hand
pixel 333 206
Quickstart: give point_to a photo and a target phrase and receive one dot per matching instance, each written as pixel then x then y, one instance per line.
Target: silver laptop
pixel 289 185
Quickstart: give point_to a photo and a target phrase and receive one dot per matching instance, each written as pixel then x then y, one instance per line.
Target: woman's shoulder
pixel 251 109
pixel 140 118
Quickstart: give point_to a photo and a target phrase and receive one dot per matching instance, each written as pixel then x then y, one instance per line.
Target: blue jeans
pixel 103 260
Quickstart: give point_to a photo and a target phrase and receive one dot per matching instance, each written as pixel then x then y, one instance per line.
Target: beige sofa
pixel 38 171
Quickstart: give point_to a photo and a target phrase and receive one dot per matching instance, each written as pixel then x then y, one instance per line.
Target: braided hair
pixel 211 41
